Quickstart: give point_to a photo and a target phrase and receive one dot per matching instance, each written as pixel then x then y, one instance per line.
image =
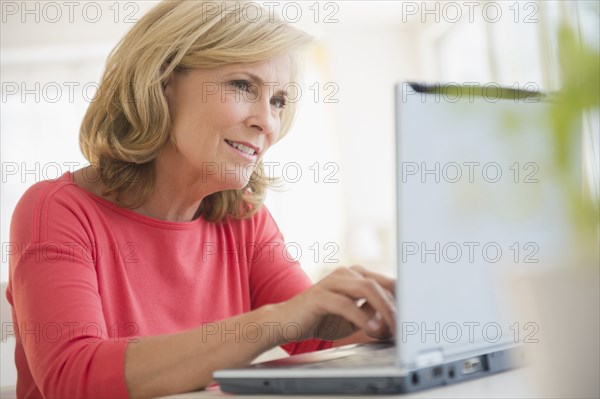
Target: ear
pixel 164 83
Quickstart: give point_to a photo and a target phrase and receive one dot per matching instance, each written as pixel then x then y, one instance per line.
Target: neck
pixel 177 192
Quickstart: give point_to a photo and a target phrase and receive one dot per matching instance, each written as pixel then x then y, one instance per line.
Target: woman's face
pixel 224 119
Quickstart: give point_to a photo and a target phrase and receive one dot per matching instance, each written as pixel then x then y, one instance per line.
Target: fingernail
pixel 373 325
pixel 375 322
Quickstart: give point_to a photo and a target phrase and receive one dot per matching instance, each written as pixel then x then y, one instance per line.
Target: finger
pixel 389 284
pixel 355 288
pixel 380 331
pixel 386 282
pixel 375 295
pixel 343 306
pixel 391 297
pixel 345 280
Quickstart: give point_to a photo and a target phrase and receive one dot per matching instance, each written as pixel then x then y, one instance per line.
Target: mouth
pixel 245 148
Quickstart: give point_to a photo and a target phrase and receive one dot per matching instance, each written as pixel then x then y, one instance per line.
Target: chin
pixel 235 184
pixel 227 176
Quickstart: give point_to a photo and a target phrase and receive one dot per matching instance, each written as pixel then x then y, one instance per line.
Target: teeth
pixel 241 147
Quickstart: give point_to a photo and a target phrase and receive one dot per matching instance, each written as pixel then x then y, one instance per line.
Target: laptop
pixel 475 202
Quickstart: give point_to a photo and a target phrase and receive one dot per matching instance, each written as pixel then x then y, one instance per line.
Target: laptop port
pixel 451 372
pixel 472 365
pixel 437 372
pixel 415 378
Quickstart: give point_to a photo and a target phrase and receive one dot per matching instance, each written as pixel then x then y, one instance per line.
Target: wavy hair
pixel 128 122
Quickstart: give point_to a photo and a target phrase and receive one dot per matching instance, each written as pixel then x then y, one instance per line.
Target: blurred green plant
pixel 579 94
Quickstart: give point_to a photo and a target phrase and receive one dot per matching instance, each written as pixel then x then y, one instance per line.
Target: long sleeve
pixel 276 277
pixel 54 291
pixel 87 276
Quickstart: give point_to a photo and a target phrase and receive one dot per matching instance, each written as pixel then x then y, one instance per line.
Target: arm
pixel 185 361
pixel 53 286
pixel 175 363
pixel 330 308
pixel 277 278
pixel 66 346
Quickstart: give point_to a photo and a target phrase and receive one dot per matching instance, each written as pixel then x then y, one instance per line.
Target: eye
pixel 279 102
pixel 241 84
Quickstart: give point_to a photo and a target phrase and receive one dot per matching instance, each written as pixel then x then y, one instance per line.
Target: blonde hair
pixel 128 123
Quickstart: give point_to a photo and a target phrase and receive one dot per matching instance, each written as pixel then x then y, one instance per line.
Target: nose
pixel 262 117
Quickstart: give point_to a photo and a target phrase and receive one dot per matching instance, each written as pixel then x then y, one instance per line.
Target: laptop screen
pixel 478 202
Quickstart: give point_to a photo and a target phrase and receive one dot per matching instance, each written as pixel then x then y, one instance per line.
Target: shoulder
pixel 48 192
pixel 45 203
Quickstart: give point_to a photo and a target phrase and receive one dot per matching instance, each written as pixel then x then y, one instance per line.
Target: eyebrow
pixel 257 79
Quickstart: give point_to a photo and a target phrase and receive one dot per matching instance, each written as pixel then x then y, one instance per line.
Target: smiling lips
pixel 242 148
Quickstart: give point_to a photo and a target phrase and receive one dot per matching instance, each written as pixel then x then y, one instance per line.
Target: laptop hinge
pixel 429 358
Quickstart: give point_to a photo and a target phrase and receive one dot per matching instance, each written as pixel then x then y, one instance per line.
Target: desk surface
pixel 511 384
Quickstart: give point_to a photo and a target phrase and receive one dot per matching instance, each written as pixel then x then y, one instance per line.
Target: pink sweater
pixel 87 276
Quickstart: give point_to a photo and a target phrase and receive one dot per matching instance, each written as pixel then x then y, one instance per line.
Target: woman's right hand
pixel 331 309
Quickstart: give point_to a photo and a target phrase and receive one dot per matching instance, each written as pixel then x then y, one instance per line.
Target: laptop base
pixel 391 381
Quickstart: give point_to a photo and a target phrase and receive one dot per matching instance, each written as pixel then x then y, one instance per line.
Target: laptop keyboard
pixel 373 354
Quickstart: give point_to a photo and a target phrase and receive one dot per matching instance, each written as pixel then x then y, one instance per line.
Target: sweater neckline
pixel 130 214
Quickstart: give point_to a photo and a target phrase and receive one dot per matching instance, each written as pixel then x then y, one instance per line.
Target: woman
pixel 157 264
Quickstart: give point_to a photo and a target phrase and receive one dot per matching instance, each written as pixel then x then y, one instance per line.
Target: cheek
pixel 225 110
pixel 275 137
pixel 201 123
pixel 184 119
